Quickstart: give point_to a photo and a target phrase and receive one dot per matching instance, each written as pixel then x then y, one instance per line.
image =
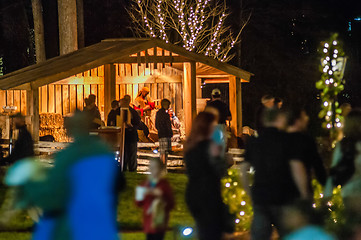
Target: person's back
pixel 305 149
pixel 163 124
pixel 222 108
pixel 268 154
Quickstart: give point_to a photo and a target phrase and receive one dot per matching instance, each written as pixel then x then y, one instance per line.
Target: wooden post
pixel 189 94
pixel 199 88
pixel 32 109
pixel 109 88
pixel 235 104
pixel 68 36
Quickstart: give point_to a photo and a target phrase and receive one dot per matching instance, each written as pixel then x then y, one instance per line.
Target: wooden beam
pixel 189 94
pixel 149 79
pixel 32 109
pixel 154 59
pixel 109 87
pixel 235 104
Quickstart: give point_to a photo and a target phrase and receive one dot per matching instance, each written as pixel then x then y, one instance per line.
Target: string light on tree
pixel 331 83
pixel 196 25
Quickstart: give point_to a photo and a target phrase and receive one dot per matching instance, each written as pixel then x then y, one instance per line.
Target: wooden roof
pixel 107 51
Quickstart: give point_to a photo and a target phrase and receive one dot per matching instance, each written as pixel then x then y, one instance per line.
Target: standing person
pixel 156 198
pixel 24 145
pixel 267 102
pixel 204 171
pixel 165 132
pixel 78 194
pixel 112 116
pixel 131 135
pixel 222 107
pixel 93 111
pixel 304 146
pixel 279 179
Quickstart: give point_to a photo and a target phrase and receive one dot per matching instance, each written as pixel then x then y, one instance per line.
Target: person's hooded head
pixel 19 120
pixel 145 91
pixel 78 125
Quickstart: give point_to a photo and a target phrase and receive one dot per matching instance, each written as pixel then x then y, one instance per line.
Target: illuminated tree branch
pixel 197 25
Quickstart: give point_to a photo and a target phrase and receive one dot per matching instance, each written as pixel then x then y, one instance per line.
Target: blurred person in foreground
pixel 93 111
pixel 205 170
pixel 24 145
pixel 156 198
pixel 133 121
pixel 304 146
pixel 279 178
pixel 165 132
pixel 267 102
pixel 78 195
pixel 301 220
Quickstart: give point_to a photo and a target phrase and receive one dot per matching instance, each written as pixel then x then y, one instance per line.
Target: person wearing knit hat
pixel 222 107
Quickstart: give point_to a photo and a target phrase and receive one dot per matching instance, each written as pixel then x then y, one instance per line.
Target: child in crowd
pixel 165 132
pixel 156 198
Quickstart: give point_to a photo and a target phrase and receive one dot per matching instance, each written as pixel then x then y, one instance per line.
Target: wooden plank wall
pixel 66 97
pixel 13 98
pixel 171 90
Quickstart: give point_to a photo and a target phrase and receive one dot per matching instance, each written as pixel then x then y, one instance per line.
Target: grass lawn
pixel 129 216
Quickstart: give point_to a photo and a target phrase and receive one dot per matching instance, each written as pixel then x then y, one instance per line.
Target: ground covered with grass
pixel 129 216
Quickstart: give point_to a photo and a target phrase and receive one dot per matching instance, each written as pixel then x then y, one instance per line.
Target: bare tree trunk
pixel 68 36
pixel 38 30
pixel 80 18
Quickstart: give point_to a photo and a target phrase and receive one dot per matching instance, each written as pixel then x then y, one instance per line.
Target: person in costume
pixel 143 102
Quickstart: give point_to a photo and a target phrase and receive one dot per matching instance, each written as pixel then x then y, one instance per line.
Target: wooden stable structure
pixel 115 67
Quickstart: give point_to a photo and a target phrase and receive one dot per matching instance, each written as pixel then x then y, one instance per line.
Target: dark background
pixel 279 45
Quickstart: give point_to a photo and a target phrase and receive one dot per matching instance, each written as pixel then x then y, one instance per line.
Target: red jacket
pixel 167 197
